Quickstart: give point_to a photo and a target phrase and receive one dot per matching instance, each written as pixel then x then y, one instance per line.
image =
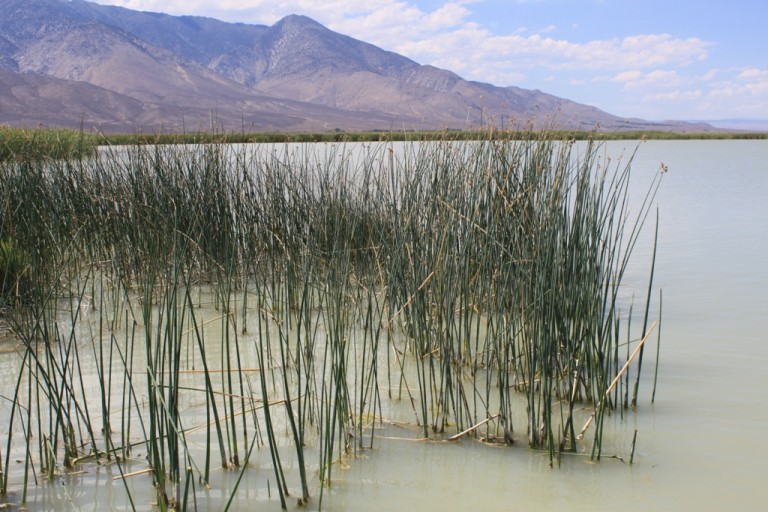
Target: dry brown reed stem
pixel 470 429
pixel 616 379
pixel 220 371
pixel 405 381
pixel 235 415
pixel 412 297
pixel 135 473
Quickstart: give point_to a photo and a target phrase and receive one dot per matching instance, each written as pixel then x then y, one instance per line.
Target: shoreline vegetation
pixel 23 144
pixel 182 308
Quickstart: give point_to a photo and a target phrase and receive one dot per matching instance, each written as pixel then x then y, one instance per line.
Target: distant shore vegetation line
pixel 24 144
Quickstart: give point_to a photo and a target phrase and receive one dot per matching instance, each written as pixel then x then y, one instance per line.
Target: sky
pixel 652 59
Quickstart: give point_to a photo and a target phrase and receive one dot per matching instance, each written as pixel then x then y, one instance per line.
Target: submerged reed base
pixel 191 307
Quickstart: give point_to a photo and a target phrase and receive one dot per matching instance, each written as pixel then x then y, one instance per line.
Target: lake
pixel 700 446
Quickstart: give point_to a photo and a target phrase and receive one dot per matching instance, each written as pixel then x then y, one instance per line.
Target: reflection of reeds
pixel 464 274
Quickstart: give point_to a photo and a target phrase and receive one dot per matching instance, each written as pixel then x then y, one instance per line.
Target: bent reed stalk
pixel 478 280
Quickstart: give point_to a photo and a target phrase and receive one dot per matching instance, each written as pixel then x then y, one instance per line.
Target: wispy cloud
pixel 677 95
pixel 487 53
pixel 716 93
pixel 636 79
pixel 753 74
pixel 751 82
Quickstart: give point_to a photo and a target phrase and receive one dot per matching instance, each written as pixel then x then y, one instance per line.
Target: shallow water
pixel 700 446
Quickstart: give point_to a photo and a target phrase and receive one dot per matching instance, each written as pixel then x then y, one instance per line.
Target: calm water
pixel 701 446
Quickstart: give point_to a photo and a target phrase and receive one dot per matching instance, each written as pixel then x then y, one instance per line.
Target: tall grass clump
pixel 192 311
pixel 24 145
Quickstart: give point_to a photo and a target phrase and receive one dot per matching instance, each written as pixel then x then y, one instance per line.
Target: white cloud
pixel 677 95
pixel 747 83
pixel 712 94
pixel 710 75
pixel 636 79
pixel 758 89
pixel 753 74
pixel 388 23
pixel 731 89
pixel 635 52
pixel 624 76
pixel 472 43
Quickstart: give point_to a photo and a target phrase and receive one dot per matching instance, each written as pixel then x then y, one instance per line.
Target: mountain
pixel 759 125
pixel 76 63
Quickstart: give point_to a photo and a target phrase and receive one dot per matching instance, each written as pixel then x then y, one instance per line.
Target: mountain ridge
pixel 111 68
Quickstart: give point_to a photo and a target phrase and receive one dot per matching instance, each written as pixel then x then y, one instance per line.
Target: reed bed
pixel 21 144
pixel 243 137
pixel 207 305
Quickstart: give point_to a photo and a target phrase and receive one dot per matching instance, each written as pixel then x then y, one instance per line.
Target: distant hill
pixel 76 63
pixel 759 125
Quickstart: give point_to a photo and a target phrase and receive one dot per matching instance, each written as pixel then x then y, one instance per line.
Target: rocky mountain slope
pixel 76 63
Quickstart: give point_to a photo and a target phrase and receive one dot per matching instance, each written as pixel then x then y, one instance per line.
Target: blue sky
pixel 653 59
